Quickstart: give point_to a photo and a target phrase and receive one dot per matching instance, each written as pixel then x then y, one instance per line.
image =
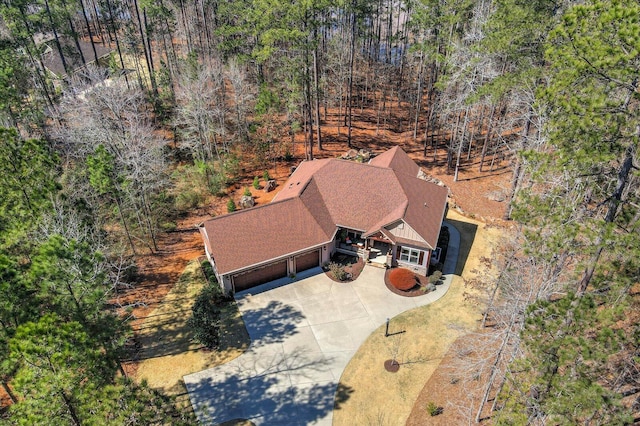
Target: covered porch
pixel 375 248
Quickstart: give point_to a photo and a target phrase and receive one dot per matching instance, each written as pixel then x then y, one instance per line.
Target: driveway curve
pixel 303 334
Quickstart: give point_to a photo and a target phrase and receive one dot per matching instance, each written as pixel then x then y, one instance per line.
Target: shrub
pixel 338 271
pixel 208 272
pixel 256 182
pixel 169 226
pixel 265 176
pixel 402 279
pixel 231 206
pixel 206 318
pixel 435 277
pixel 433 409
pixel 246 192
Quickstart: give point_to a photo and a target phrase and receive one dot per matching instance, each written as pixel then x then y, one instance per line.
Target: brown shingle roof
pixel 358 195
pixel 396 159
pixel 322 195
pixel 256 235
pixel 426 207
pixel 53 62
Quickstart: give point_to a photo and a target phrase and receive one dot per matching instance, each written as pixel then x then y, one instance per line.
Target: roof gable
pixel 426 207
pixel 397 160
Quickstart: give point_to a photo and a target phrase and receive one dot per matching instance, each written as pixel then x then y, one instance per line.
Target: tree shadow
pixel 272 323
pixel 258 387
pixel 467 236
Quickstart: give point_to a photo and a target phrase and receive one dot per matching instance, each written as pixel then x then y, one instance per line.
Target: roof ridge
pixel 261 206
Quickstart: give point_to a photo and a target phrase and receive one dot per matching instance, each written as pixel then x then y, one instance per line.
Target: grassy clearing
pixel 385 398
pixel 168 350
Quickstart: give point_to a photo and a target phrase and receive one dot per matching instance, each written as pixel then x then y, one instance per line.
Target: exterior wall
pixel 226 284
pixel 403 230
pixel 326 252
pixel 223 280
pixel 206 251
pixel 422 268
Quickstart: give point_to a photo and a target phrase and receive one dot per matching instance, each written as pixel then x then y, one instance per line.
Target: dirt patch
pixel 427 334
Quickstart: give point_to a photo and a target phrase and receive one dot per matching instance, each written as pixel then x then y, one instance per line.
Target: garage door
pixel 260 276
pixel 307 261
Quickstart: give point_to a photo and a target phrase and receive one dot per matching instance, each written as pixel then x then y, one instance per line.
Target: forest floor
pixel 159 272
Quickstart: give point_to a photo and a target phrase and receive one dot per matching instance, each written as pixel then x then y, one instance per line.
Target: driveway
pixel 303 334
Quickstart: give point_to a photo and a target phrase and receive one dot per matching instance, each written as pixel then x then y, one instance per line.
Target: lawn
pixel 168 351
pixel 422 338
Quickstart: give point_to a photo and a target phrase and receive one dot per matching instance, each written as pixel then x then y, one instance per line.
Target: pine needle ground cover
pixel 402 279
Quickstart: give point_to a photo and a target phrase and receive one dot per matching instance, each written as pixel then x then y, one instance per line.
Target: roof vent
pixel 425 204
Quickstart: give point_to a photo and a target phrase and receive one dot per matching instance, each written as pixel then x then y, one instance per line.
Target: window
pixel 411 255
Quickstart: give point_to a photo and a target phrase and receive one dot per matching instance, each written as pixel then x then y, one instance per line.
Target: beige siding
pixel 403 230
pixel 327 251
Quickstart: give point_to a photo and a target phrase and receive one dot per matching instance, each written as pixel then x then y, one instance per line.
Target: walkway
pixel 303 335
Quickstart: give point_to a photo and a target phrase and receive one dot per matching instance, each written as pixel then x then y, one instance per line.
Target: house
pixel 76 56
pixel 380 211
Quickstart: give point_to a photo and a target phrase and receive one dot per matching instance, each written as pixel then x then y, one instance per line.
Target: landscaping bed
pixel 344 268
pixel 420 287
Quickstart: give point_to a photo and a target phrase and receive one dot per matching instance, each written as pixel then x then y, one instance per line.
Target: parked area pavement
pixel 303 334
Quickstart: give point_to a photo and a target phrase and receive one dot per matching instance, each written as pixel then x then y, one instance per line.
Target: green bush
pixel 267 100
pixel 265 176
pixel 206 317
pixel 208 272
pixel 190 188
pixel 256 182
pixel 231 206
pixel 433 409
pixel 246 192
pixel 168 226
pixel 435 277
pixel 188 200
pixel 338 271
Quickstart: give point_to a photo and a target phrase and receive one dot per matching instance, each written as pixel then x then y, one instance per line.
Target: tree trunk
pixel 351 59
pixel 71 408
pixel 612 210
pixel 147 53
pixel 124 224
pixel 74 34
pixel 486 137
pixel 89 33
pixel 115 34
pixel 316 88
pixel 461 143
pixel 57 39
pixel 418 97
pixel 9 392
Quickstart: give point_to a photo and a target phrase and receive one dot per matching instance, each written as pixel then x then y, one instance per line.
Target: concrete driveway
pixel 303 334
